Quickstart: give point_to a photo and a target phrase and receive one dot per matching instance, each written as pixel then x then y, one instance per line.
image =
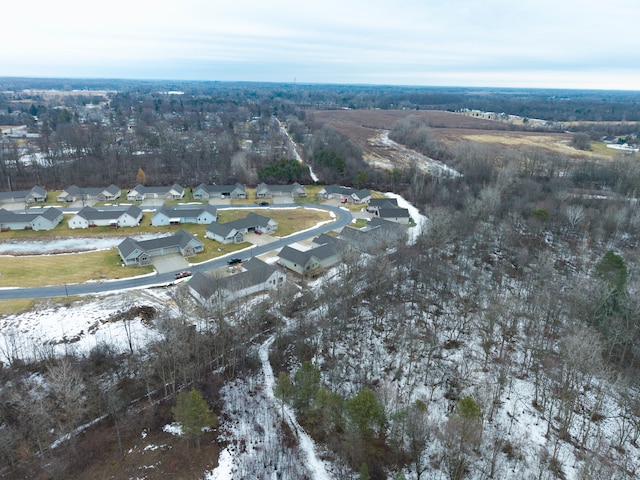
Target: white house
pixel 141 192
pixel 202 215
pixel 130 216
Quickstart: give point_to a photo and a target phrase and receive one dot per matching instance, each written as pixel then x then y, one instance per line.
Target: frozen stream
pixel 64 245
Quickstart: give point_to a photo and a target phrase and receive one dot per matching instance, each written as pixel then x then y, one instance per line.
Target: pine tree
pixel 192 413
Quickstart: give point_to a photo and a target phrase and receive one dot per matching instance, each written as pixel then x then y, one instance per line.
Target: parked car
pixel 257 231
pixel 234 261
pixel 183 274
pixel 264 204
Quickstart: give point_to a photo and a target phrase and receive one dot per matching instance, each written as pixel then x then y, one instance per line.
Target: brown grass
pixel 39 270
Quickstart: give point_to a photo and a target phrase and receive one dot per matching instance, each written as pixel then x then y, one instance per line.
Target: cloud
pixel 409 42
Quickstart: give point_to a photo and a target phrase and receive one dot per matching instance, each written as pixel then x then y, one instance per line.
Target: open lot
pixel 367 128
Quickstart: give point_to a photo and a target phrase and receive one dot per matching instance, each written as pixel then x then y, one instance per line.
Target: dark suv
pixel 234 261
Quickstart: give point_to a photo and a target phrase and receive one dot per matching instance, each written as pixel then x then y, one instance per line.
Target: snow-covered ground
pixel 53 329
pixel 72 244
pixel 297 156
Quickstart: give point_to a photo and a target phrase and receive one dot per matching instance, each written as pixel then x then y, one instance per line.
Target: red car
pixel 257 231
pixel 183 274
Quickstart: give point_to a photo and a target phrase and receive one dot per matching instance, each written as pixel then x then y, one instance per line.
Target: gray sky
pixel 510 43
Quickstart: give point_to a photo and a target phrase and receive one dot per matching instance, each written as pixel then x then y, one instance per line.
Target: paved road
pixel 343 218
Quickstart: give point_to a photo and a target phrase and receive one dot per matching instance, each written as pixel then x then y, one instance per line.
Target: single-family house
pixel 34 219
pixel 376 204
pixel 142 192
pixel 35 195
pixel 397 215
pixel 200 214
pixel 308 262
pixel 345 194
pixel 269 191
pixel 234 232
pixel 141 252
pixel 74 193
pixel 116 217
pixel 378 234
pixel 224 233
pixel 206 192
pixel 256 276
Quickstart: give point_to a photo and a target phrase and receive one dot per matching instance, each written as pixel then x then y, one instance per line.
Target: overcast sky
pixel 499 43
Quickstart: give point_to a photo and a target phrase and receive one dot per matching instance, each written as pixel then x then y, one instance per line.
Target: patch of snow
pixel 173 428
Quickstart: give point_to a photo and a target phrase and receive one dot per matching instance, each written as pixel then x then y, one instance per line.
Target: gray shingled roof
pixel 90 213
pixel 383 202
pixel 255 272
pixel 393 213
pixel 184 212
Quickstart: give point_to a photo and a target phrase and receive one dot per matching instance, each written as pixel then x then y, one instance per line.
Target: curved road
pixel 343 218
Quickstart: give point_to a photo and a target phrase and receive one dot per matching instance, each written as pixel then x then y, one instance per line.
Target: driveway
pixel 170 263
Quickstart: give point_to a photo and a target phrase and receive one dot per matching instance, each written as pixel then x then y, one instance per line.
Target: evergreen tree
pixel 192 413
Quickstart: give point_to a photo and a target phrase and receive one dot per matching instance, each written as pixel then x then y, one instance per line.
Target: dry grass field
pixel 365 127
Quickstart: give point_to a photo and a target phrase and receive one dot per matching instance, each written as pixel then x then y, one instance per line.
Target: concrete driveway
pixel 170 263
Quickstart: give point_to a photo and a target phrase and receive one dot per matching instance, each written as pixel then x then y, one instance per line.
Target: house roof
pixel 250 221
pixel 255 272
pixel 34 192
pixel 220 188
pixel 223 230
pixel 280 188
pixel 393 213
pixel 186 212
pixel 385 225
pixel 75 191
pixel 383 202
pixel 321 252
pixel 7 216
pixel 158 190
pixel 294 255
pixel 50 214
pixel 181 238
pixel 91 213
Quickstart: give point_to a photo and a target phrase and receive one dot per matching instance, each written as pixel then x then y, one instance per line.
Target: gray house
pixel 397 215
pixel 73 193
pixel 129 216
pixel 375 204
pixel 141 252
pixel 35 195
pixel 141 192
pixel 346 194
pixel 309 262
pixel 206 192
pixel 35 219
pixel 234 232
pixel 377 235
pixel 256 276
pixel 202 215
pixel 269 191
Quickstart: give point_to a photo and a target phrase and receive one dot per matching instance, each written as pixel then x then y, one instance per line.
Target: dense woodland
pixel 518 301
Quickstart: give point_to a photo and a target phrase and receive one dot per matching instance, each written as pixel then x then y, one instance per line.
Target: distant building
pixel 346 194
pixel 206 192
pixel 269 191
pixel 35 195
pixel 74 193
pixel 141 192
